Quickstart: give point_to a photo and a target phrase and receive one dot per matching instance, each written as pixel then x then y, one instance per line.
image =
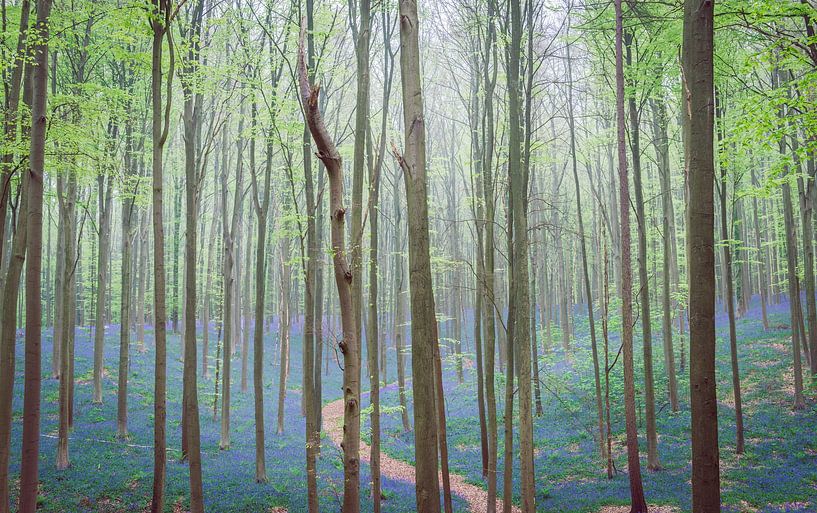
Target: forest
pixel 285 256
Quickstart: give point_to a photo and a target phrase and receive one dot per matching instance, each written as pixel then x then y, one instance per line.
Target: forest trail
pixel 476 497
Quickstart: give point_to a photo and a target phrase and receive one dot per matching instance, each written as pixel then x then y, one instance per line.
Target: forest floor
pixel 476 496
pixel 778 472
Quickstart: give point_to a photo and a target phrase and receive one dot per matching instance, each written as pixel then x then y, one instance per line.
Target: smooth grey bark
pixel 361 35
pixel 659 126
pixel 489 303
pixel 478 215
pixel 142 280
pixel 67 196
pixel 350 344
pixel 399 301
pixel 519 279
pixel 160 123
pixel 193 171
pixel 423 317
pixel 262 205
pixel 729 293
pixel 29 479
pixel 8 338
pixel 11 280
pixel 763 282
pixel 311 358
pixel 230 232
pixel 105 197
pixel 128 203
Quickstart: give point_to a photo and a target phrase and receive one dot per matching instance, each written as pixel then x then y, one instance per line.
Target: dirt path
pixel 476 497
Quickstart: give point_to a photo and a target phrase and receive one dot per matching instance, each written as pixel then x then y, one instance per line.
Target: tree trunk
pixel 479 285
pixel 191 118
pixel 174 264
pixel 794 290
pixel 638 504
pixel 763 284
pixel 583 244
pixel 798 327
pixel 489 78
pixel 372 346
pixel 57 331
pixel 160 22
pixel 12 102
pixel 261 211
pixel 285 321
pixel 653 462
pixel 319 310
pixel 361 37
pixel 29 480
pixel 806 196
pixel 142 264
pixel 605 315
pixel 230 231
pixel 373 339
pixel 698 111
pixel 729 296
pixel 530 181
pixel 349 345
pixel 510 367
pixel 521 344
pixel 423 317
pixel 8 338
pixel 245 294
pixel 124 328
pixel 208 281
pixel 659 125
pixel 11 281
pixel 68 200
pixel 399 302
pixel 311 358
pixel 453 242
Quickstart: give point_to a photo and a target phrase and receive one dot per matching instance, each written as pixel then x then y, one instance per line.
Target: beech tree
pixel 29 472
pixel 638 504
pixel 349 345
pixel 423 319
pixel 160 19
pixel 699 158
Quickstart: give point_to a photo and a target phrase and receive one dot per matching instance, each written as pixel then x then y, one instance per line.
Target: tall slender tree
pixel 193 169
pixel 698 117
pixel 311 357
pixel 128 201
pixel 643 274
pixel 583 244
pixel 8 337
pixel 659 126
pixel 519 277
pixel 489 72
pixel 160 19
pixel 373 350
pixel 105 196
pixel 638 503
pixel 67 194
pixel 29 472
pixel 729 297
pixel 349 345
pixel 423 317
